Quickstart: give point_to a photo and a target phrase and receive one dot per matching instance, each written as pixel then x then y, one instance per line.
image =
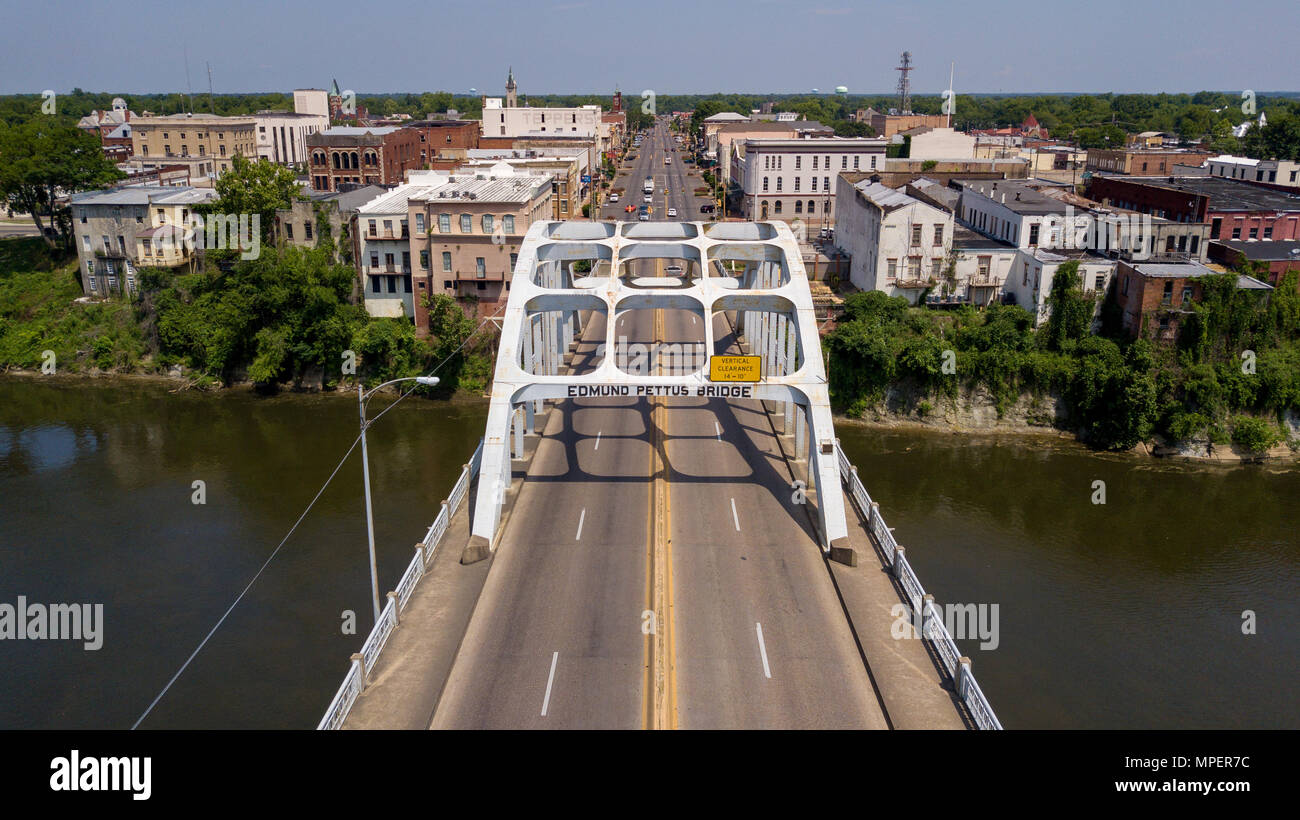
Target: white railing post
pixel 927 601
pixel 962 676
pixel 397 608
pixel 360 660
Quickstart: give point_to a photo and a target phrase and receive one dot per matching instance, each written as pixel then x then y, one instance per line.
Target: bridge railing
pixel 364 661
pixel 932 627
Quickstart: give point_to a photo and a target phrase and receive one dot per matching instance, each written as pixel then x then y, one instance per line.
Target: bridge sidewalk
pixel 916 695
pixel 403 689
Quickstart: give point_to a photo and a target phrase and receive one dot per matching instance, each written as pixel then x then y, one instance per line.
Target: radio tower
pixel 905 85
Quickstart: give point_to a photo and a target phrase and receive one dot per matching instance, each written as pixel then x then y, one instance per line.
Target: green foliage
pixel 1071 310
pixel 255 186
pixel 44 158
pixel 1254 434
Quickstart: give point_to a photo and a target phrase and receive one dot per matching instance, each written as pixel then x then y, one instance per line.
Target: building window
pixel 1033 234
pixel 764 184
pixel 424 260
pixel 374 259
pixel 814 183
pixel 778 183
pixel 798 161
pixel 796 184
pixel 844 163
pixel 777 207
pixel 798 203
pixel 446 261
pixel 288 230
pixel 826 184
pixel 447 283
pixel 444 223
pixel 814 163
pixel 938 235
pixel 1099 281
pixel 373 227
pixel 306 229
pixel 914 267
pixel 483 285
pixel 406 261
pixel 508 223
pixel 812 206
pixel 514 260
pixel 466 223
pixel 85 242
pixel 855 162
pixel 916 235
pixel 1187 294
pixel 419 223
pixel 480 267
pixel 891 268
pixel 374 284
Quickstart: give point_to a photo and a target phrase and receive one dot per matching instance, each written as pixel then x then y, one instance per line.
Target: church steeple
pixel 512 97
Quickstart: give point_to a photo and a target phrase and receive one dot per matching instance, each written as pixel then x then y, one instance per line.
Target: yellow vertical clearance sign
pixel 735 368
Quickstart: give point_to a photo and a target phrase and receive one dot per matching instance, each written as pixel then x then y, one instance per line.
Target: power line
pixel 294 528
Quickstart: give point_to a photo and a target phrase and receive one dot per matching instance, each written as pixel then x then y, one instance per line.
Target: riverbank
pixel 173 383
pixel 1043 418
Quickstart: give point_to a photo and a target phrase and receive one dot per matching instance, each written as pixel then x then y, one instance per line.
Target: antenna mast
pixel 212 106
pixel 905 85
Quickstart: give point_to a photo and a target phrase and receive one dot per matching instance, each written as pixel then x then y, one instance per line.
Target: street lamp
pixel 362 398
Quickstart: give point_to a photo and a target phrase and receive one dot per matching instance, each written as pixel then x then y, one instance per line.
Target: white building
pixel 384 244
pixel 937 143
pixel 282 136
pixel 1279 172
pixel 502 121
pixel 312 101
pixel 794 178
pixel 896 243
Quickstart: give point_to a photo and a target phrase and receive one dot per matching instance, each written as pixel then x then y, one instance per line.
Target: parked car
pixel 613 197
pixel 672 212
pixel 707 208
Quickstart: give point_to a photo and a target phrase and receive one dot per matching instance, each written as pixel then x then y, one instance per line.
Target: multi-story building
pixel 887 125
pixel 325 216
pixel 565 172
pixel 1233 209
pixel 1155 298
pixel 312 101
pixel 722 138
pixel 906 243
pixel 385 246
pixel 1276 171
pixel 1142 162
pixel 1033 214
pixel 355 155
pixel 444 142
pixel 1276 258
pixel 465 234
pixel 282 136
pixel 207 143
pixel 792 178
pixel 123 229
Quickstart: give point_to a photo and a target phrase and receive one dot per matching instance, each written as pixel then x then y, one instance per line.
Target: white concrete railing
pixel 364 661
pixel 933 628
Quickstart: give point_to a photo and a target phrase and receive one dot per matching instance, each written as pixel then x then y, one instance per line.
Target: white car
pixel 649 198
pixel 673 270
pixel 613 197
pixel 672 212
pixel 644 217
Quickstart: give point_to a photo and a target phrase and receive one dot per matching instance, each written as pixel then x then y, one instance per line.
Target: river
pixel 1126 614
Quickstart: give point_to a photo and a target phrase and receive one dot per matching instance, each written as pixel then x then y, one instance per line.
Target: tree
pixel 1071 310
pixel 255 186
pixel 42 159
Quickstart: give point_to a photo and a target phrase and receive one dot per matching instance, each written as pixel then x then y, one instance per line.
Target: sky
pixel 669 46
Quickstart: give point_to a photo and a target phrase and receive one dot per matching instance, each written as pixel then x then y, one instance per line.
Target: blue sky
pixel 671 46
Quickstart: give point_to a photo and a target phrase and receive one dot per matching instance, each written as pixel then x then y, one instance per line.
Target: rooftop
pixel 517 188
pixel 1172 270
pixel 1275 251
pixel 357 131
pixel 1225 194
pixel 144 195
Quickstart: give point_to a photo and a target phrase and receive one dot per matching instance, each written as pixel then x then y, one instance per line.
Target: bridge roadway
pixel 760 636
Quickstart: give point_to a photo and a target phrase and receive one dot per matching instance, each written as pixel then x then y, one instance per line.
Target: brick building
pixel 1233 209
pixel 362 156
pixel 1277 257
pixel 1142 161
pixel 445 141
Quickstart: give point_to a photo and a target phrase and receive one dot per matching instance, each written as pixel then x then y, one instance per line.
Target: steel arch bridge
pixel 751 269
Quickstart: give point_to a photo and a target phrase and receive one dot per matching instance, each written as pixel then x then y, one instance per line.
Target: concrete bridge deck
pixel 548 633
